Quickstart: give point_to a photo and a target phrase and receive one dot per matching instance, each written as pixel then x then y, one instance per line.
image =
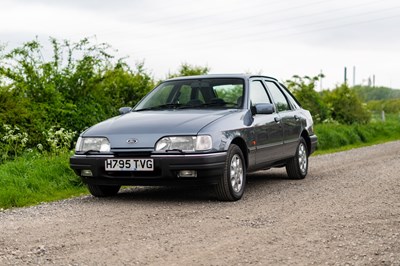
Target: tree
pixel 367 94
pixel 186 69
pixel 391 106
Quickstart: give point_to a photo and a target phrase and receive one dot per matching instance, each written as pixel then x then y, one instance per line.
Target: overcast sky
pixel 279 38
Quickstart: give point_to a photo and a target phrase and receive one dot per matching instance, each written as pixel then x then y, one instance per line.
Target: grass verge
pixel 334 138
pixel 31 179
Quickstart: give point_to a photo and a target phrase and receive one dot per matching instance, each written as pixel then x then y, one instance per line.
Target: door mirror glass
pixel 264 108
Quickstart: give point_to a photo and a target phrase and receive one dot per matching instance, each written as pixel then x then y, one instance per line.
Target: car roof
pixel 241 76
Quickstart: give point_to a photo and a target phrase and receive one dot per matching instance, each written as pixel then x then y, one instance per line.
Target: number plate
pixel 129 165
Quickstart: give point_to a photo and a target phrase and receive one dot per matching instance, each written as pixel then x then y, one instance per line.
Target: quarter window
pixel 279 98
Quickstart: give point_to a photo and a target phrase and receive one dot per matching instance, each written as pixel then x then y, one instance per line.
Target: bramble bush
pixel 79 85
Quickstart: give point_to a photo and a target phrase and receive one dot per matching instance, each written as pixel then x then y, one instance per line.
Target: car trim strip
pixel 210 155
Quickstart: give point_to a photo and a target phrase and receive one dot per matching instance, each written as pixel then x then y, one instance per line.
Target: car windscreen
pixel 224 93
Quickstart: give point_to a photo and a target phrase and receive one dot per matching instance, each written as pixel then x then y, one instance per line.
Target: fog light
pixel 86 173
pixel 187 173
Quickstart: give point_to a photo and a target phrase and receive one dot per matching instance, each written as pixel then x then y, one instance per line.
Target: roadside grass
pixel 34 178
pixel 334 138
pixel 353 146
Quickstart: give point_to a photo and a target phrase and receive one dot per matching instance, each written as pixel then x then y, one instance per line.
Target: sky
pixel 278 38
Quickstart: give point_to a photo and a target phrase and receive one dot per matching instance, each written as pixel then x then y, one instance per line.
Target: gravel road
pixel 346 212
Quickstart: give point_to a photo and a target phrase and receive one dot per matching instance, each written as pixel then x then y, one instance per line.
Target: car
pixel 198 130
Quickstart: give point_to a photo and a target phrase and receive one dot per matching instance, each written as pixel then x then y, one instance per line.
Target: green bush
pixel 345 107
pixel 342 104
pixel 80 85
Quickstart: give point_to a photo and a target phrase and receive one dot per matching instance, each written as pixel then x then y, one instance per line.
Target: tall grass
pixel 337 136
pixel 30 179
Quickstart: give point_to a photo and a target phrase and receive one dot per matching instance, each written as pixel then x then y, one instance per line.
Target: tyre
pixel 232 183
pixel 297 167
pixel 103 191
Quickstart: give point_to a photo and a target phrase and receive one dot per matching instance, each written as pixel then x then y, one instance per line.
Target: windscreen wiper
pixel 160 107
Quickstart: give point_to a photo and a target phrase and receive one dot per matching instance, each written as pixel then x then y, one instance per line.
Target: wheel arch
pixel 243 147
pixel 307 139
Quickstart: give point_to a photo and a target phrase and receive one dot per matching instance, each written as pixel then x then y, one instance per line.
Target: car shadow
pixel 170 194
pixel 264 180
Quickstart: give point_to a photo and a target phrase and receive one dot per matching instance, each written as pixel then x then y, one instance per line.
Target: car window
pixel 160 96
pixel 184 94
pixel 258 94
pixel 203 93
pixel 230 93
pixel 279 98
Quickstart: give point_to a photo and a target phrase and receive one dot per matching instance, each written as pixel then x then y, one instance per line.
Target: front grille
pixel 130 154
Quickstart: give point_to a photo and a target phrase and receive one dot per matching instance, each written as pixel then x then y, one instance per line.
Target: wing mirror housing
pixel 264 108
pixel 124 110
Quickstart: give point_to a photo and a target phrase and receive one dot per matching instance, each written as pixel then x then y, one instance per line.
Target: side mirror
pixel 124 110
pixel 264 108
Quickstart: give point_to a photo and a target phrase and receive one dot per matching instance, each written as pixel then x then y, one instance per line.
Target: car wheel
pixel 297 167
pixel 103 191
pixel 232 183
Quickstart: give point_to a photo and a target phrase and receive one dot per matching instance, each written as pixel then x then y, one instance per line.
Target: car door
pixel 267 128
pixel 290 120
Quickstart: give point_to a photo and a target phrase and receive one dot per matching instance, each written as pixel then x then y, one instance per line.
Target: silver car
pixel 198 130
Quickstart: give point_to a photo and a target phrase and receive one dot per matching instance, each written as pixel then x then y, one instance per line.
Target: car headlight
pixel 185 143
pixel 92 144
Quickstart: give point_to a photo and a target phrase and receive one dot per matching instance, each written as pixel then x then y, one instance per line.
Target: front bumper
pixel 209 169
pixel 314 142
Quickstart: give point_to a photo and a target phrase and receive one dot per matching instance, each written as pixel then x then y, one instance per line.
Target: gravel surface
pixel 346 212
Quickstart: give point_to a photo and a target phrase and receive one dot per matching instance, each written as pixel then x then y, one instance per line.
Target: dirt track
pixel 346 212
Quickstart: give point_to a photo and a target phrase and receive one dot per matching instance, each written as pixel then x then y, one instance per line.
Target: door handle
pixel 278 120
pixel 296 117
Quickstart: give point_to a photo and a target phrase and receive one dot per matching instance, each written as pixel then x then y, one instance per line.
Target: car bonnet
pixel 143 129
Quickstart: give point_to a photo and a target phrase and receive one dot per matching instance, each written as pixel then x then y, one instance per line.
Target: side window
pixel 279 98
pixel 258 94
